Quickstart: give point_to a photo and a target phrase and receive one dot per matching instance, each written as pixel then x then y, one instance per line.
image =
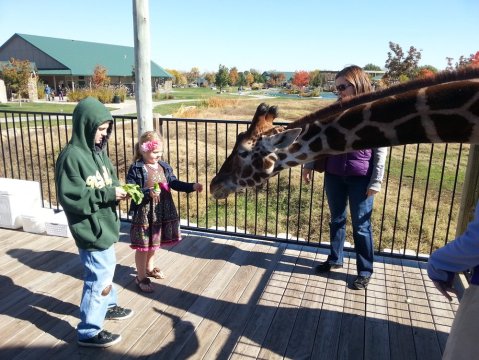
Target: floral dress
pixel 156 222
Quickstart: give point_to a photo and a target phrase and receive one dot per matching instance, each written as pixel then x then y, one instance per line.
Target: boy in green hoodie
pixel 88 191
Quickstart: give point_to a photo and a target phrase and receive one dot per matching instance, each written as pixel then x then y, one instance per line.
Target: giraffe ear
pixel 283 139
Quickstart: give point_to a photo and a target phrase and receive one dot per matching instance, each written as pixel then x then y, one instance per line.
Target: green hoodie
pixel 86 180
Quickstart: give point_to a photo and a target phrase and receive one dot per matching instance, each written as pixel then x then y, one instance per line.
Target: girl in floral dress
pixel 155 221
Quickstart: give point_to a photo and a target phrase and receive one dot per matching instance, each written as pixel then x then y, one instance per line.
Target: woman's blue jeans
pixel 98 291
pixel 340 189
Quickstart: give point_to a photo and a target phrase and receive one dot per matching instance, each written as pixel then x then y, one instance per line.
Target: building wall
pixel 22 50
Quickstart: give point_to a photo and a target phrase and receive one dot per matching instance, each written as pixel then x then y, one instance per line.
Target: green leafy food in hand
pixel 134 191
pixel 156 187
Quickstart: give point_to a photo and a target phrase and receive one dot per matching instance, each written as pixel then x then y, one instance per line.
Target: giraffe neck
pixel 440 113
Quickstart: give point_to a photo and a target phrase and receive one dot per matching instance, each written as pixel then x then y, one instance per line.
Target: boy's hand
pixel 198 187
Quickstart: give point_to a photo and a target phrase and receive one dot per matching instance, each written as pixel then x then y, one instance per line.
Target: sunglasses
pixel 343 87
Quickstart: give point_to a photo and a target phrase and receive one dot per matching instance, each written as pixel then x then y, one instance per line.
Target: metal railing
pixel 415 212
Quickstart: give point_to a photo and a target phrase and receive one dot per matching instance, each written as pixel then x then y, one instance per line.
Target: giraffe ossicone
pixel 443 109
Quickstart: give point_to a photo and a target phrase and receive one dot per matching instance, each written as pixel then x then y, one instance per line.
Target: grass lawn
pixel 173 108
pixel 204 93
pixel 41 107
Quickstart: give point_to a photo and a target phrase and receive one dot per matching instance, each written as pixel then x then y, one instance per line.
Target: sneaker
pixel 326 267
pixel 118 313
pixel 102 340
pixel 361 282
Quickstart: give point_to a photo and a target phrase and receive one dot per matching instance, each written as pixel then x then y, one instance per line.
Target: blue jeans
pixel 338 190
pixel 98 291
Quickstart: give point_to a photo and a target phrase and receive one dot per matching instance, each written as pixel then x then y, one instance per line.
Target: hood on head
pixel 88 115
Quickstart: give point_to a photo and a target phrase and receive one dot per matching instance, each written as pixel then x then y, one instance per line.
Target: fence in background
pixel 415 212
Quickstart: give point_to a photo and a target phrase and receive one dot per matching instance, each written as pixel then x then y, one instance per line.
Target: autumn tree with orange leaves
pixel 472 60
pixel 100 77
pixel 300 78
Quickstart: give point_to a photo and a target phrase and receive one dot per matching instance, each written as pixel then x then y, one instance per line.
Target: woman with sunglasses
pixel 354 177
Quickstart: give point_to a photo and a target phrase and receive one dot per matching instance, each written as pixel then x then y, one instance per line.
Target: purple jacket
pixel 355 163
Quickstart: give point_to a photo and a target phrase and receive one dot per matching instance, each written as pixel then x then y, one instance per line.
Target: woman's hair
pixel 144 138
pixel 356 77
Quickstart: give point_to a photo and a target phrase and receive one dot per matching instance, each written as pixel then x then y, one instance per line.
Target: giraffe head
pixel 254 154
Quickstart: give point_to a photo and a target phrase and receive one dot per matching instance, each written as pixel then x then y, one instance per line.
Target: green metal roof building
pixel 73 62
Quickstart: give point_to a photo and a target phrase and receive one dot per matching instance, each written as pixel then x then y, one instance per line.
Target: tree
pixel 249 79
pixel 449 66
pixel 429 68
pixel 16 75
pixel 316 78
pixel 475 59
pixel 233 76
pixel 100 77
pixel 210 77
pixel 472 60
pixel 300 78
pixel 176 76
pixel 222 77
pixel 258 78
pixel 241 79
pixel 371 67
pixel 400 65
pixel 193 75
pixel 275 79
pixel 426 72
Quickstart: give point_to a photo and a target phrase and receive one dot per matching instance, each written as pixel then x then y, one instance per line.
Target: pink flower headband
pixel 149 145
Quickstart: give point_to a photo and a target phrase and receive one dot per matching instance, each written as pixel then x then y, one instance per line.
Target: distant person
pixel 457 256
pixel 59 93
pixel 48 92
pixel 88 191
pixel 155 221
pixel 353 178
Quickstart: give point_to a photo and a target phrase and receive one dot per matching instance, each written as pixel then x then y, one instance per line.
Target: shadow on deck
pixel 223 298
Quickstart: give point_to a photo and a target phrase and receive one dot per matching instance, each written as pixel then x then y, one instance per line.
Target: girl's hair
pixel 145 137
pixel 356 77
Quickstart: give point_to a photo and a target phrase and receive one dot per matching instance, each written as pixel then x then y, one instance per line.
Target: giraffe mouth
pixel 220 194
pixel 219 190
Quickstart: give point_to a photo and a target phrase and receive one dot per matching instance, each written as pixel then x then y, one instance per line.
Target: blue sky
pixel 263 34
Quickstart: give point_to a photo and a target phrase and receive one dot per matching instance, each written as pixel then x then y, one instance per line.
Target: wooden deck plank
pixel 376 331
pixel 233 328
pixel 276 340
pixel 442 311
pixel 425 338
pixel 67 308
pixel 329 327
pixel 301 342
pixel 227 302
pixel 351 341
pixel 254 334
pixel 182 266
pixel 184 333
pixel 400 328
pixel 223 297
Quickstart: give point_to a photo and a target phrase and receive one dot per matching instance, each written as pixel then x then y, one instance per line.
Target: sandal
pixel 155 273
pixel 144 285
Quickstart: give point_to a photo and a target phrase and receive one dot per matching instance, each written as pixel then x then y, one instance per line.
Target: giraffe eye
pixel 243 154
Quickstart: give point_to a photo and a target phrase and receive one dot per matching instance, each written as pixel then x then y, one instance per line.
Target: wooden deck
pixel 222 298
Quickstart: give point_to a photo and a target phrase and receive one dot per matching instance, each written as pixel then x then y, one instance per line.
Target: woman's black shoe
pixel 361 282
pixel 326 267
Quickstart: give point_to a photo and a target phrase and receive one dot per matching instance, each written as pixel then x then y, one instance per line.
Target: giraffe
pixel 443 109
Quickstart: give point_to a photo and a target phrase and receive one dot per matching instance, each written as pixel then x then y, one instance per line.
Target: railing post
pixel 157 124
pixel 470 193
